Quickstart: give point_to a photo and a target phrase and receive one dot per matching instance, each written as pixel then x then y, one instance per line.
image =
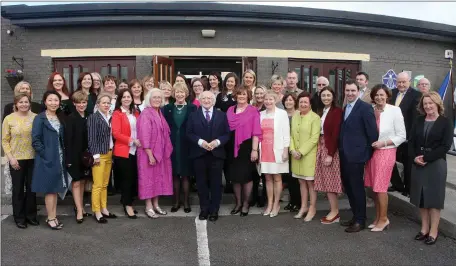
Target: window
pixel 120 67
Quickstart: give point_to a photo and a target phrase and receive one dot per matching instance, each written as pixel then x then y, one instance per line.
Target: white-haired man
pixel 316 102
pixel 424 85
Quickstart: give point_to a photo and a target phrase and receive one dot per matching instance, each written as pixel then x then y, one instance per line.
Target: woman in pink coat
pixel 154 157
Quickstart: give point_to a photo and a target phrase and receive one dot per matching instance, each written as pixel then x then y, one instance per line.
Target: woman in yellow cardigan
pixel 305 132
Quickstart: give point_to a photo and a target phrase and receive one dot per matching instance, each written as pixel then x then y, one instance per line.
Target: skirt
pixel 327 178
pixel 379 168
pixel 427 184
pixel 241 166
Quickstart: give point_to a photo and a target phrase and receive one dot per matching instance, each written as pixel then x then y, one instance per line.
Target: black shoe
pixel 348 223
pixel 175 208
pixel 430 240
pixel 203 216
pixel 33 222
pixel 235 211
pixel 79 221
pixel 420 236
pixel 102 220
pixel 21 225
pixel 187 209
pixel 356 227
pixel 288 207
pixel 128 215
pixel 406 194
pixel 86 214
pixel 243 214
pixel 213 217
pixel 109 216
pixel 295 208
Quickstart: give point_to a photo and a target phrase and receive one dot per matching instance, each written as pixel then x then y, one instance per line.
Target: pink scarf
pixel 245 124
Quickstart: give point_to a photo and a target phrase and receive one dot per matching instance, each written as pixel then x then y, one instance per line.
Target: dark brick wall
pixel 421 57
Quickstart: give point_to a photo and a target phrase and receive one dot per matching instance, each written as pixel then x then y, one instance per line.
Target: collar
pixel 104 116
pixel 210 109
pixel 123 109
pixel 353 103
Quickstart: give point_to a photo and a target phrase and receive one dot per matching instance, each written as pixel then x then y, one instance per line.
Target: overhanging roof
pixel 204 13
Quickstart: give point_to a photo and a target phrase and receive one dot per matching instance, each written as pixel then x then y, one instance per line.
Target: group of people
pixel 236 128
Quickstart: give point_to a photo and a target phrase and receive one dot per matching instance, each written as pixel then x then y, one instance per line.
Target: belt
pixel 425 149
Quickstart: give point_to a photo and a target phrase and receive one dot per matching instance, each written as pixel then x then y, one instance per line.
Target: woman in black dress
pixel 76 144
pixel 244 121
pixel 431 138
pixel 225 98
pixel 57 82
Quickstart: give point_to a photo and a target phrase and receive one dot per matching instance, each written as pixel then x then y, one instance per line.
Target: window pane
pixel 305 81
pixel 298 72
pixel 75 77
pixel 340 84
pixel 347 74
pixel 332 79
pixel 114 72
pixel 85 69
pixel 124 73
pixel 66 76
pixel 104 72
pixel 314 79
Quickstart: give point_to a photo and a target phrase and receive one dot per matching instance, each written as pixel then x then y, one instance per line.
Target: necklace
pixel 179 108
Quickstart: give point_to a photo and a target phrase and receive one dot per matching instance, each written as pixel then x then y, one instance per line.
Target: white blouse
pixel 323 118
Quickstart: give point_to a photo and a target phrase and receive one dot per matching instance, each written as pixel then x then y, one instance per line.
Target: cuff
pixel 200 142
pixel 218 142
pixel 96 156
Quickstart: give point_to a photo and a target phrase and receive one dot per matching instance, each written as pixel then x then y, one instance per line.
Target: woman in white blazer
pixel 275 127
pixel 377 175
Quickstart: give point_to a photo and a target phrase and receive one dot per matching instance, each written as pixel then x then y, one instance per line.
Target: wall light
pixel 208 33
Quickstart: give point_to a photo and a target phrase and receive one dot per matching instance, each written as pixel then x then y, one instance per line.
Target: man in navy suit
pixel 208 131
pixel 358 132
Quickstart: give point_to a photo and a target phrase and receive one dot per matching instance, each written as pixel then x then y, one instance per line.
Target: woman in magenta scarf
pixel 244 121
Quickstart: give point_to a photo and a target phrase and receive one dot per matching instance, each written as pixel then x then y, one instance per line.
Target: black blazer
pixel 199 128
pixel 76 138
pixel 36 108
pixel 358 132
pixel 409 105
pixel 316 103
pixel 99 134
pixel 223 103
pixel 438 142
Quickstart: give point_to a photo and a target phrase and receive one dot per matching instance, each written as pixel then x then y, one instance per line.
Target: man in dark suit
pixel 358 132
pixel 208 131
pixel 315 102
pixel 407 99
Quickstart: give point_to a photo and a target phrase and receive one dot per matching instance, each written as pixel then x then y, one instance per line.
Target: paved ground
pixel 252 240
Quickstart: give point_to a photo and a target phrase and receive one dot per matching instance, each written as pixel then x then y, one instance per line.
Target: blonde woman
pixel 97 83
pixel 22 87
pixel 167 90
pixel 275 128
pixel 258 97
pixel 249 79
pixel 276 86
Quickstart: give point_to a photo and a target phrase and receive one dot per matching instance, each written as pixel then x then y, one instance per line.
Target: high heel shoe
pixel 266 213
pixel 160 211
pixel 79 221
pixel 235 211
pixel 187 209
pixel 243 214
pixel 371 226
pixel 151 214
pixel 335 219
pixel 100 220
pixel 175 208
pixel 308 219
pixel 420 236
pixel 134 216
pixel 288 207
pixel 300 214
pixel 378 229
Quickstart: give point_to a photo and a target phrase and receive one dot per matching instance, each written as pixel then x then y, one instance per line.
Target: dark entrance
pixel 199 66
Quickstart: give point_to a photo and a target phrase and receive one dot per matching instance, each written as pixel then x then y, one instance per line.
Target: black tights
pixel 244 200
pixel 186 188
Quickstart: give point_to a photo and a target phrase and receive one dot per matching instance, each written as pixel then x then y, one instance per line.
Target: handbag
pixel 87 159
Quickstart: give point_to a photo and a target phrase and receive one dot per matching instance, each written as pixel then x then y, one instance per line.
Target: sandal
pixel 57 226
pixel 151 214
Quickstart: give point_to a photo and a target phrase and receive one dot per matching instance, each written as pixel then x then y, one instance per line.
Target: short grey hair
pixel 149 95
pixel 210 93
pixel 103 95
pixel 324 79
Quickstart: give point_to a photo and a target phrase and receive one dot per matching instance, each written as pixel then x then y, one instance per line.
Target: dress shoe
pixel 406 194
pixel 102 220
pixel 300 214
pixel 420 236
pixel 295 208
pixel 430 240
pixel 151 214
pixel 33 222
pixel 348 223
pixel 371 226
pixel 175 208
pixel 380 229
pixel 134 216
pixel 335 219
pixel 203 216
pixel 160 211
pixel 213 217
pixel 187 209
pixel 266 212
pixel 235 211
pixel 21 225
pixel 356 227
pixel 109 216
pixel 288 207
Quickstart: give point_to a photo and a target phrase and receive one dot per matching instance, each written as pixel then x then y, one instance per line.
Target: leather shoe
pixel 430 240
pixel 33 222
pixel 348 223
pixel 203 216
pixel 356 227
pixel 420 236
pixel 21 225
pixel 213 217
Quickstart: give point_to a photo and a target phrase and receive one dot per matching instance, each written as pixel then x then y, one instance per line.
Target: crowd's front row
pixel 329 150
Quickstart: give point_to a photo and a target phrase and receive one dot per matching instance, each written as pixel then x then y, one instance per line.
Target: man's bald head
pixel 424 85
pixel 403 81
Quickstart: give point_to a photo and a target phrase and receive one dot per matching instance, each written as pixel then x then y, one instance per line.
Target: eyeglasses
pixel 424 84
pixel 196 86
pixel 321 85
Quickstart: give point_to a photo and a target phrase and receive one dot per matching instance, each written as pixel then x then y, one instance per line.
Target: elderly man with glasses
pixel 316 102
pixel 424 85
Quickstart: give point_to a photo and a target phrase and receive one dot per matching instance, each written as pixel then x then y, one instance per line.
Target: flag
pixel 445 84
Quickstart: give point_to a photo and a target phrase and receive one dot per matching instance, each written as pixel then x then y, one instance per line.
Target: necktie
pixel 208 117
pixel 399 98
pixel 347 111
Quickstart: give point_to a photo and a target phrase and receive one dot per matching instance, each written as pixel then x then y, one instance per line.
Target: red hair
pixel 50 85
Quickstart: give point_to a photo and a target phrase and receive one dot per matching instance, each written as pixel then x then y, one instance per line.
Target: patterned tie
pixel 399 98
pixel 347 111
pixel 208 117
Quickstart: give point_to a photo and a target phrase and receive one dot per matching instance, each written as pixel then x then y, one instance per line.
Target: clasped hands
pixel 419 160
pixel 209 146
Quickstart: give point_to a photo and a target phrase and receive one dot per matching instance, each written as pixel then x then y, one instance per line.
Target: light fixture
pixel 208 33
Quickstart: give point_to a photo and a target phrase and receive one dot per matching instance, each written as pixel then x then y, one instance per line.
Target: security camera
pixel 10 32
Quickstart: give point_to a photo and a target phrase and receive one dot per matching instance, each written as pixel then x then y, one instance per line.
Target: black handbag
pixel 87 159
